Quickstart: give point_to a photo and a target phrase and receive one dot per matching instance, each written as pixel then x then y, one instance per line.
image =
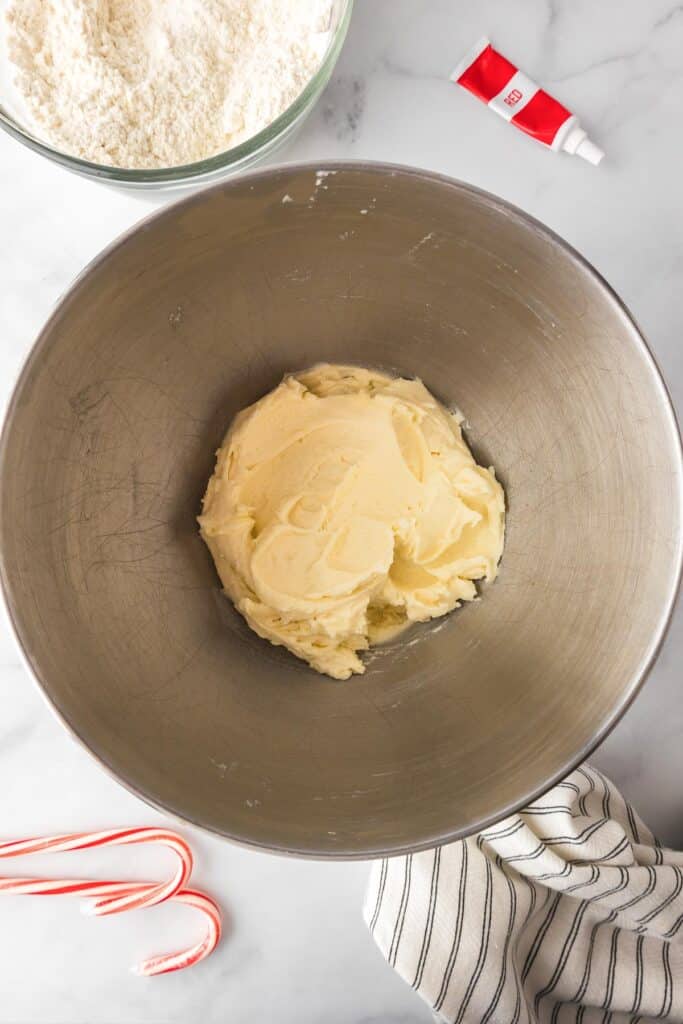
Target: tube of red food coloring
pixel 507 90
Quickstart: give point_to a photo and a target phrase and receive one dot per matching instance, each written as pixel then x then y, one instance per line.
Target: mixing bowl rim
pixel 491 201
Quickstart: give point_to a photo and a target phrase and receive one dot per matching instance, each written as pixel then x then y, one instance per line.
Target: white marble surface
pixel 298 950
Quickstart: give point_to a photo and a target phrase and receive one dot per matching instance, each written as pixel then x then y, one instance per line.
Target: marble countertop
pixel 298 950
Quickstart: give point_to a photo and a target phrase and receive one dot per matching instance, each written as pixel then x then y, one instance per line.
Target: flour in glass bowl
pixel 159 83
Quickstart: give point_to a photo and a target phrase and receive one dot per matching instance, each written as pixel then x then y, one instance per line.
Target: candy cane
pixel 152 893
pixel 168 962
pixel 115 897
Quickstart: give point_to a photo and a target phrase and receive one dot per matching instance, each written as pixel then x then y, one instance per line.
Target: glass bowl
pixel 220 165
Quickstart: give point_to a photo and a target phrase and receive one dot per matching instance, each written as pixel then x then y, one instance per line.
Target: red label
pixel 541 117
pixel 488 74
pixel 513 97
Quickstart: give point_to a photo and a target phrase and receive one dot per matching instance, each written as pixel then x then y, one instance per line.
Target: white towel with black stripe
pixel 569 911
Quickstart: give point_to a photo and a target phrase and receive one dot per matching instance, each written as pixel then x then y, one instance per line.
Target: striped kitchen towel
pixel 569 911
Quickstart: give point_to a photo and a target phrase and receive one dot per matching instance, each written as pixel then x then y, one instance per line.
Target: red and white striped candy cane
pixel 168 962
pixel 153 892
pixel 113 896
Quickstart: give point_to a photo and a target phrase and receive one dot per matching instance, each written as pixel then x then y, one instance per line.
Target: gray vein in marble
pixel 343 107
pixel 666 19
pixel 395 67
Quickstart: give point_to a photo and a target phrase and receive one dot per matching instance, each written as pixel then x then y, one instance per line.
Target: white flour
pixel 157 83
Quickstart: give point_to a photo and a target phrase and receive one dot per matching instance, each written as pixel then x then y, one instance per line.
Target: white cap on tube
pixel 577 143
pixel 590 152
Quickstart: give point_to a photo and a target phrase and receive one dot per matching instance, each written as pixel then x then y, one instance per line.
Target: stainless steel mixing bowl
pixel 109 443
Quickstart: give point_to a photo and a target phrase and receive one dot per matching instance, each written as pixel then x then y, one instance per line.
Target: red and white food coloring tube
pixel 496 81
